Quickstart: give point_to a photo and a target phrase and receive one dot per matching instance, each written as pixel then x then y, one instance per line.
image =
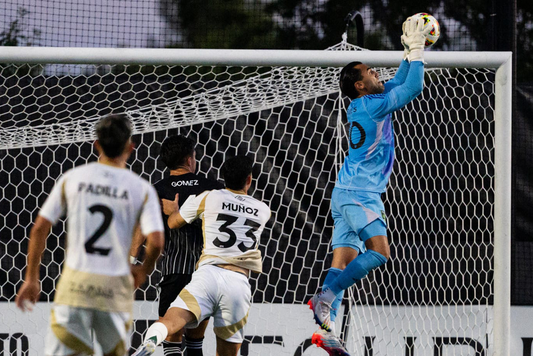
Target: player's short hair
pixel 350 75
pixel 175 150
pixel 113 133
pixel 235 171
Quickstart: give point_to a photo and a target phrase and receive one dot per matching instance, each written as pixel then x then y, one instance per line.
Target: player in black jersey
pixel 182 246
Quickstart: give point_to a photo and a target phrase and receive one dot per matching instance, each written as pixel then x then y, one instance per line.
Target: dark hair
pixel 235 171
pixel 175 150
pixel 113 133
pixel 350 75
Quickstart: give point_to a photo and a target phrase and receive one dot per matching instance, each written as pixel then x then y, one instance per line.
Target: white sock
pixel 157 332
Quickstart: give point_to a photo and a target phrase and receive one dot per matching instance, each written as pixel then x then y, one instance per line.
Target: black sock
pixel 172 348
pixel 193 347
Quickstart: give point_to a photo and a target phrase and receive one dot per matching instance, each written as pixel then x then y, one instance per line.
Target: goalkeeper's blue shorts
pixel 358 216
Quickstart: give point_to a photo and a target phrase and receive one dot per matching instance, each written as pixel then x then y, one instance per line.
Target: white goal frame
pixel 501 61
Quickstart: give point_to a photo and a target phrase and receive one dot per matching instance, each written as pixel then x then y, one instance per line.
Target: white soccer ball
pixel 429 20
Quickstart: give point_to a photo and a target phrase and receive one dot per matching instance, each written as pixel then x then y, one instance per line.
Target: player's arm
pixel 401 73
pixel 399 78
pixel 151 226
pixel 191 210
pixel 136 242
pixel 171 208
pixel 53 208
pixel 31 288
pixel 379 106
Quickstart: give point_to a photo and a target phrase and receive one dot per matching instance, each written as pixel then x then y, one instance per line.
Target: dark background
pixel 294 265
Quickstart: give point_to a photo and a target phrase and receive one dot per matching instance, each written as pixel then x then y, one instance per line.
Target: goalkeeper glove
pixel 415 39
pixel 406 50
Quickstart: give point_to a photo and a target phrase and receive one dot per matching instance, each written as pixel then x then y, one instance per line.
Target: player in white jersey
pixel 232 225
pixel 104 202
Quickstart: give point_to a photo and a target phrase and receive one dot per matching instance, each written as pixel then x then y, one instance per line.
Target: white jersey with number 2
pixel 104 205
pixel 232 227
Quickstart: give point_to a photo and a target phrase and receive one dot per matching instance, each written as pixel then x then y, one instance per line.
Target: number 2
pixel 108 216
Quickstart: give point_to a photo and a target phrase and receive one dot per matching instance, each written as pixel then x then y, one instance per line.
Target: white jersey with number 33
pixel 232 226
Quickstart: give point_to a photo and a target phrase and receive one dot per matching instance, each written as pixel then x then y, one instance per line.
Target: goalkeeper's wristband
pixel 406 54
pixel 416 55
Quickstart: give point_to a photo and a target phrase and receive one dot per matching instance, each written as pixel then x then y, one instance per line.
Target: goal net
pixel 437 295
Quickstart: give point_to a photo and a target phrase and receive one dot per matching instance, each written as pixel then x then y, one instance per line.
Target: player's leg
pixel 194 339
pixel 70 331
pixel 231 315
pixel 342 256
pixel 365 214
pixel 225 348
pixel 175 319
pixel 191 306
pixel 346 246
pixel 169 289
pixel 112 331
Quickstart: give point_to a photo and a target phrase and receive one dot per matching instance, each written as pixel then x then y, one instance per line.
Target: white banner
pixel 277 329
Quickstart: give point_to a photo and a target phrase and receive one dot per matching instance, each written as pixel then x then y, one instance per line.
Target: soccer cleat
pixel 321 311
pixel 146 349
pixel 329 342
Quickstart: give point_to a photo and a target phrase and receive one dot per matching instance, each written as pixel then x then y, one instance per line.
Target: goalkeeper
pixel 359 240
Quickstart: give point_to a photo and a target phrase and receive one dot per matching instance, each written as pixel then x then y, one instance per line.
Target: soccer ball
pixel 429 20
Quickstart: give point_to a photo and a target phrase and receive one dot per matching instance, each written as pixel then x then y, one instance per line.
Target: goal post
pixel 282 107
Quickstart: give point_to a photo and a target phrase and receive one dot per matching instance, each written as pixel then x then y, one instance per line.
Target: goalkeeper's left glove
pixel 416 39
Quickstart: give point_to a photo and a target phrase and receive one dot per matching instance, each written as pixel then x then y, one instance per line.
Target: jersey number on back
pixel 108 216
pixel 230 219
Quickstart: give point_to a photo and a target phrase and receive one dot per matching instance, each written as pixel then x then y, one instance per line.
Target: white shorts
pixel 221 294
pixel 71 331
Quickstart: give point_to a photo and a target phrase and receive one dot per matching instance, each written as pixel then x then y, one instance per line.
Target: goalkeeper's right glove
pixel 406 50
pixel 415 39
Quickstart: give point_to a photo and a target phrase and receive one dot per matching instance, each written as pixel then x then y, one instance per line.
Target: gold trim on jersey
pixel 225 332
pixel 64 195
pixel 95 291
pixel 250 260
pixel 191 303
pixel 68 339
pixel 202 208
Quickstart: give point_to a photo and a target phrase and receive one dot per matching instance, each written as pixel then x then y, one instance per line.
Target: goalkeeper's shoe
pixel 146 349
pixel 329 342
pixel 321 310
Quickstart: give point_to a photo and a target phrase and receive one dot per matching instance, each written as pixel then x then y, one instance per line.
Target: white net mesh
pixel 433 296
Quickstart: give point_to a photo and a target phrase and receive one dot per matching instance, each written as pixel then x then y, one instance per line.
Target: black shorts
pixel 169 289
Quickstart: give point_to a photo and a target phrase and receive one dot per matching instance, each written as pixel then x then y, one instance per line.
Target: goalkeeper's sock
pixel 193 346
pixel 157 332
pixel 356 270
pixel 333 273
pixel 172 348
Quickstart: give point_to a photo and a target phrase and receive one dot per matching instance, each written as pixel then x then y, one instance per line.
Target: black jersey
pixel 183 246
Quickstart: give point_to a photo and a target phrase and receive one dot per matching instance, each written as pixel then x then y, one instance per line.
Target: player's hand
pixel 415 34
pixel 28 295
pixel 139 275
pixel 404 32
pixel 170 206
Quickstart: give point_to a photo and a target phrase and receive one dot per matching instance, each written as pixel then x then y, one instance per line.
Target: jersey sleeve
pixel 379 105
pixel 56 204
pixel 193 207
pixel 399 78
pixel 150 219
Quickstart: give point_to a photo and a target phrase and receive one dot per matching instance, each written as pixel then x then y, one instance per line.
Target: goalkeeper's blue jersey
pixel 371 154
